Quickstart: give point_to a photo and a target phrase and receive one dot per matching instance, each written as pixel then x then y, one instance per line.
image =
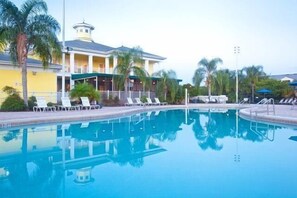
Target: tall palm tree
pixel 198 77
pixel 253 73
pixel 209 67
pixel 222 81
pixel 25 29
pixel 130 62
pixel 167 81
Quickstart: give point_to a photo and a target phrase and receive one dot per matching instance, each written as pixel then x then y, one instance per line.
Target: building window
pixel 86 30
pixel 81 30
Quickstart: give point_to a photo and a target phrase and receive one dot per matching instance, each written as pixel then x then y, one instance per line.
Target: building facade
pixel 94 62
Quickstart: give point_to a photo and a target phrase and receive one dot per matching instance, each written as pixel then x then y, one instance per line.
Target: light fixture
pixel 34 73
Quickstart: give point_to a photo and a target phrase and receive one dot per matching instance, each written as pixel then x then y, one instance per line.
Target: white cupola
pixel 84 31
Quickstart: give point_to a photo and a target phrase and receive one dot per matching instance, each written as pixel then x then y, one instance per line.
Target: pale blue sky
pixel 186 31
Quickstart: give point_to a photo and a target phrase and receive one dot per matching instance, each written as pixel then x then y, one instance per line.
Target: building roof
pixel 97 47
pixel 281 76
pixel 88 46
pixel 145 54
pixel 32 63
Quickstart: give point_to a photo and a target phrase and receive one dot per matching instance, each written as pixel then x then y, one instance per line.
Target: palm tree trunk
pixel 24 84
pixel 209 91
pixel 253 93
pixel 126 86
pixel 22 60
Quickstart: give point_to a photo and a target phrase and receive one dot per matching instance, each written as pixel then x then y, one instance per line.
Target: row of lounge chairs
pixel 139 103
pixel 41 105
pixel 288 101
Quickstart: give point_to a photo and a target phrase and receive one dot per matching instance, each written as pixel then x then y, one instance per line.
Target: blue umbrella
pixel 293 83
pixel 264 91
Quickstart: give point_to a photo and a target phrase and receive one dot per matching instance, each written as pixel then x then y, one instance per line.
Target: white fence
pixel 55 97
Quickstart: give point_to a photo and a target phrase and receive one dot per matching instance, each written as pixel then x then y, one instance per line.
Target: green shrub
pixel 32 102
pixel 143 99
pixel 85 90
pixel 13 103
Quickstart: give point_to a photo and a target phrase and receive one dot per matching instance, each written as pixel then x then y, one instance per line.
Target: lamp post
pixel 236 52
pixel 63 52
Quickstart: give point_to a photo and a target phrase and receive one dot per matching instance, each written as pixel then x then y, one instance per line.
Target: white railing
pixel 48 96
pixel 122 95
pixel 264 106
pixel 55 97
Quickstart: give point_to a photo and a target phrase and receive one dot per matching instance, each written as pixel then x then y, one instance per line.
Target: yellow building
pixel 86 59
pixel 41 82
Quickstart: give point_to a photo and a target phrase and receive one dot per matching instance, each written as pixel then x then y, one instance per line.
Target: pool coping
pixel 15 119
pixel 277 118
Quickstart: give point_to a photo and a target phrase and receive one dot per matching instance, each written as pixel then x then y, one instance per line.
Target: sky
pixel 185 31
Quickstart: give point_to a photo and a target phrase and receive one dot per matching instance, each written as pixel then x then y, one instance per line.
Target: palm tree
pixel 127 64
pixel 198 77
pixel 167 82
pixel 25 29
pixel 208 67
pixel 222 81
pixel 253 73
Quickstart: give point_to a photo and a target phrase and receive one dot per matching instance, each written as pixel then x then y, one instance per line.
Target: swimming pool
pixel 173 153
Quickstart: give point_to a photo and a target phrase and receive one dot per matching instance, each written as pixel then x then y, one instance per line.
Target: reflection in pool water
pixel 175 153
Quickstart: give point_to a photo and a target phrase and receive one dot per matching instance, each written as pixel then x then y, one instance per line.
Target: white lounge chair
pixel 138 102
pixel 160 103
pixel 281 101
pixel 66 105
pixel 130 102
pixel 150 102
pixel 86 104
pixel 42 105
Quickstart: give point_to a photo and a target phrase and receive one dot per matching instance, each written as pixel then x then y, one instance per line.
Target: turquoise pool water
pixel 174 153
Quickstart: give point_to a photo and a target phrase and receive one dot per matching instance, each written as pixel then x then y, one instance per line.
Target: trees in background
pixel 251 78
pixel 206 70
pixel 167 87
pixel 253 75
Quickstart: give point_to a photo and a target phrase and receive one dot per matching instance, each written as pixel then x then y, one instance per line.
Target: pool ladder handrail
pixel 256 128
pixel 263 106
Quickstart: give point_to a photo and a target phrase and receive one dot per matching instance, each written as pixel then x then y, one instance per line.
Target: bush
pixel 13 103
pixel 143 99
pixel 31 102
pixel 85 90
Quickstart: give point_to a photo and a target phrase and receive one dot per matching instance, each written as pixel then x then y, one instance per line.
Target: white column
pixel 146 65
pixel 107 65
pixel 71 69
pixel 72 63
pixel 115 62
pixel 90 69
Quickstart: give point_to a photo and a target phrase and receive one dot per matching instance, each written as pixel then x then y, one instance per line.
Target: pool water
pixel 174 153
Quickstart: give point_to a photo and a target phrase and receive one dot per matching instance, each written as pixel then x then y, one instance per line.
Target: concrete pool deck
pixel 283 114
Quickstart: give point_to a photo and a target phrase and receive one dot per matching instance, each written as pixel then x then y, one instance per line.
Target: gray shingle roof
pixel 85 45
pixel 145 54
pixel 281 76
pixel 30 62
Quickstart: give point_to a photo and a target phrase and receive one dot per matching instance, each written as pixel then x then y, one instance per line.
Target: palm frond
pixel 33 7
pixel 10 14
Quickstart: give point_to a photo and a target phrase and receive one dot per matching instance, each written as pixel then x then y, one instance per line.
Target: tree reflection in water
pixel 124 141
pixel 210 126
